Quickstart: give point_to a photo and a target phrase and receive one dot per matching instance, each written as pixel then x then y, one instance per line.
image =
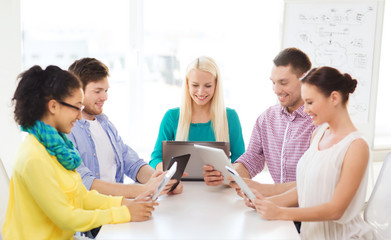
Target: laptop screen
pixel 195 164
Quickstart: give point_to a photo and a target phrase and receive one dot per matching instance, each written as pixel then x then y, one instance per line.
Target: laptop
pixel 195 164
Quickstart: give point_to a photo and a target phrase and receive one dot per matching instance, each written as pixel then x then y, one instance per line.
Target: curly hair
pixel 37 87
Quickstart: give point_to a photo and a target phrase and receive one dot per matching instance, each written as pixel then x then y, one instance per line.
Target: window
pixel 147 44
pixel 239 35
pixel 60 32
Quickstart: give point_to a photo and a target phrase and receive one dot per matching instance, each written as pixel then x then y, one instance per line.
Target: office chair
pixel 4 186
pixel 378 210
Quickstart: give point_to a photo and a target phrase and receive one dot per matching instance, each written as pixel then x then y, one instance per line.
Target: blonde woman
pixel 202 115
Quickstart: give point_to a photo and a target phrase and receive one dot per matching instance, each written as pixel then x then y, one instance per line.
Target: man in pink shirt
pixel 281 134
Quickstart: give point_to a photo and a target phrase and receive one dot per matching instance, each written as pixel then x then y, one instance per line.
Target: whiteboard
pixel 346 35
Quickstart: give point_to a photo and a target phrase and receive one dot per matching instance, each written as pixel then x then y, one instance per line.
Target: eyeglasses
pixel 80 109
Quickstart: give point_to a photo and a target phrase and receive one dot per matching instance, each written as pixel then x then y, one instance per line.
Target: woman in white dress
pixel 332 174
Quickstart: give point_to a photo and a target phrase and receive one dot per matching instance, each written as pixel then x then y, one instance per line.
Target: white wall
pixel 10 67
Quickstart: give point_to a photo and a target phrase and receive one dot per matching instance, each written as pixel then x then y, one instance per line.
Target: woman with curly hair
pixel 47 197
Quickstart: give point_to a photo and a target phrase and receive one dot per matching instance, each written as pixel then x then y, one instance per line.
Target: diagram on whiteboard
pixel 339 35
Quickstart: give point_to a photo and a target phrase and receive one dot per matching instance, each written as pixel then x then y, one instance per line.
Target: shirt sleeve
pixel 94 200
pixel 85 173
pixel 132 162
pixel 235 135
pixel 166 133
pixel 54 201
pixel 253 159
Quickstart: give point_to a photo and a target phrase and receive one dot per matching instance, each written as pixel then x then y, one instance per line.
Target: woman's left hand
pixel 267 209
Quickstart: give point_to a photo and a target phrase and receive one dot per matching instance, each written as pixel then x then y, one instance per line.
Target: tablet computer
pixel 181 161
pixel 238 179
pixel 215 157
pixel 165 180
pixel 195 164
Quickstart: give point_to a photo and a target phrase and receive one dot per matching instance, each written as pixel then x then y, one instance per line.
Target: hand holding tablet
pixel 181 165
pixel 165 180
pixel 241 183
pixel 216 158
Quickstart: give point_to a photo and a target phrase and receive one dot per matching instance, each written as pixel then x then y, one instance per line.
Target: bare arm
pixel 117 189
pixel 352 172
pixel 264 189
pixel 286 199
pixel 274 190
pixel 242 170
pixel 159 166
pixel 145 173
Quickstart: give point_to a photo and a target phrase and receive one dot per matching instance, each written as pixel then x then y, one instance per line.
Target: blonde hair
pixel 217 107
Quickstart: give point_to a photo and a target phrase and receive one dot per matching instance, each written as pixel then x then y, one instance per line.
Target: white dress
pixel 317 174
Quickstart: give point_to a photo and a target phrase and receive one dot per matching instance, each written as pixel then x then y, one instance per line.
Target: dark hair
pixel 328 79
pixel 294 57
pixel 89 70
pixel 36 88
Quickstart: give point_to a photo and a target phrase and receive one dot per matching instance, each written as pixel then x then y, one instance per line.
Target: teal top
pixel 198 132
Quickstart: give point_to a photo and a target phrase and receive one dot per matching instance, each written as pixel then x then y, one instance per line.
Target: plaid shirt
pixel 278 139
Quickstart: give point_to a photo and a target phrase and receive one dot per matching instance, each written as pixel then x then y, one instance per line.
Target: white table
pixel 202 212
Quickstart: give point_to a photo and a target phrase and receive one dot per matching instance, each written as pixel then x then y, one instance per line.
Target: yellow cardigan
pixel 47 201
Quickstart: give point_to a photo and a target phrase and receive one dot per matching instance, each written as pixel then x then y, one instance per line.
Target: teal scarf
pixel 56 143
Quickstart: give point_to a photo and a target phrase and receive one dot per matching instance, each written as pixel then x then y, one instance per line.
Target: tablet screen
pixel 216 158
pixel 165 180
pixel 241 183
pixel 181 161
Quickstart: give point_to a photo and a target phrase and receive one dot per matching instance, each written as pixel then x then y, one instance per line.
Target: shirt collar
pixel 100 118
pixel 298 112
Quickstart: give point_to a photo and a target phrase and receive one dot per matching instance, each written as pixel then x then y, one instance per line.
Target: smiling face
pixel 287 87
pixel 65 118
pixel 316 104
pixel 95 95
pixel 201 86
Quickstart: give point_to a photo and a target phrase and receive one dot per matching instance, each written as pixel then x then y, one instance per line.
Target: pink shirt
pixel 279 139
